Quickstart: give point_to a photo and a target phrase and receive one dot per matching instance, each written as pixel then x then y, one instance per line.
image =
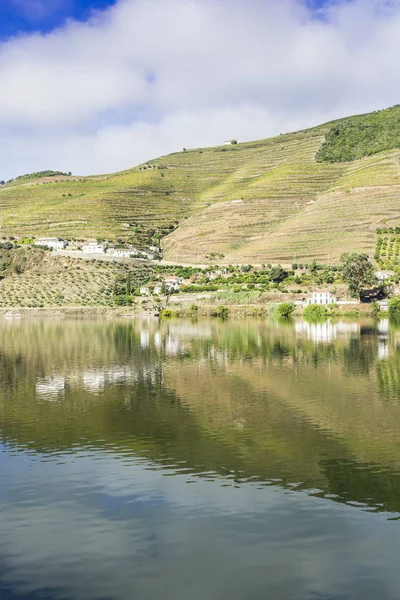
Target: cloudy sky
pixel 96 86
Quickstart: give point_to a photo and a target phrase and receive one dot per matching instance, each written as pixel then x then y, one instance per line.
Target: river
pixel 183 459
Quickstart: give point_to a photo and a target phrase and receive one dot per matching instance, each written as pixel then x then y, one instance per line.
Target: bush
pixel 285 309
pixel 315 311
pixel 221 311
pixel 375 309
pixel 394 308
pixel 277 274
pixel 122 300
pixel 166 313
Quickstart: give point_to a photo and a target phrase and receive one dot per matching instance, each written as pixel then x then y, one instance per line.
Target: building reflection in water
pixel 325 331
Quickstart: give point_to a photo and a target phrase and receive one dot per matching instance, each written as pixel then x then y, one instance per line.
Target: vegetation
pixel 285 309
pixel 315 311
pixel 358 272
pixel 38 175
pixel 394 308
pixel 240 203
pixel 221 311
pixel 353 138
pixel 33 278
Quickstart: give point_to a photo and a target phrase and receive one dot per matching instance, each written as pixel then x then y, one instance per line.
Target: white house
pixel 145 291
pixel 155 249
pixel 173 283
pixel 54 243
pixel 119 252
pixel 93 248
pixel 322 297
pixel 383 275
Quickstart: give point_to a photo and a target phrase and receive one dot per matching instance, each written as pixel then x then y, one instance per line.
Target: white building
pixel 173 284
pixel 145 291
pixel 119 252
pixel 383 275
pixel 156 249
pixel 93 248
pixel 322 297
pixel 54 243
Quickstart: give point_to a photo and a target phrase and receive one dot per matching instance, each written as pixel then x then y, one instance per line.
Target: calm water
pixel 199 460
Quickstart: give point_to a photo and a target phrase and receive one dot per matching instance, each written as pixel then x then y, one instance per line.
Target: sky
pixel 96 86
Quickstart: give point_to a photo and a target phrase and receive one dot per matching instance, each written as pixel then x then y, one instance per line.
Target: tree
pixel 358 272
pixel 277 274
pixel 2 182
pixel 234 142
pixel 285 309
pixel 313 267
pixel 394 308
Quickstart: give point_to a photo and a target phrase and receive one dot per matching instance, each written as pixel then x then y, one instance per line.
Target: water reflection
pixel 326 331
pixel 176 458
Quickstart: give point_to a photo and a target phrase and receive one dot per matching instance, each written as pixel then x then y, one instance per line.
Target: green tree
pixel 285 309
pixel 394 308
pixel 277 274
pixel 358 272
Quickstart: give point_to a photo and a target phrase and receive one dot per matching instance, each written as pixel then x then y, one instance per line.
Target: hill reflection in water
pixel 311 405
pixel 176 459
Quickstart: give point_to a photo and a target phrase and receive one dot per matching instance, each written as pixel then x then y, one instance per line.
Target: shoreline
pixel 205 310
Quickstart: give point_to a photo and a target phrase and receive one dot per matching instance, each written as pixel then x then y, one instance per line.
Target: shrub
pixel 285 309
pixel 315 311
pixel 166 313
pixel 394 307
pixel 221 311
pixel 375 309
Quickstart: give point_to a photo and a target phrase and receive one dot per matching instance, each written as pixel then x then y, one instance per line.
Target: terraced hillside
pixel 277 200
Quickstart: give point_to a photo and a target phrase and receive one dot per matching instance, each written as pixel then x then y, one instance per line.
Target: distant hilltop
pixel 307 195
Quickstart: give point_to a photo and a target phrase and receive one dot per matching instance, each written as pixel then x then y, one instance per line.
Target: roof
pixel 323 292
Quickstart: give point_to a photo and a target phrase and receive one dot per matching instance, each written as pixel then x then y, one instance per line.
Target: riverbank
pixel 173 310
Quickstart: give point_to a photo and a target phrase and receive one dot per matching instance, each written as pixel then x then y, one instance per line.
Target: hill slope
pixel 275 200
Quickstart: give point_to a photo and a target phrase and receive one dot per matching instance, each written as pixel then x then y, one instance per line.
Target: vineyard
pixel 296 197
pixel 387 252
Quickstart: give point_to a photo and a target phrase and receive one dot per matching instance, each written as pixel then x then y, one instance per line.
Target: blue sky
pixel 19 16
pixel 153 76
pixel 25 16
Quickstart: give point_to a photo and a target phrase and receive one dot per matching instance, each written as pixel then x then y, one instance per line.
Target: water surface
pixel 223 460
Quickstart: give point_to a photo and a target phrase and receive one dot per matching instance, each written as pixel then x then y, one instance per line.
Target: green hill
pixel 298 196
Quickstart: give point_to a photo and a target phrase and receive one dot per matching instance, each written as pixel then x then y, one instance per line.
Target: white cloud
pixel 151 76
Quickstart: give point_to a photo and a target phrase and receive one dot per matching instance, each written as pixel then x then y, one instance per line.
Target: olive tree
pixel 358 272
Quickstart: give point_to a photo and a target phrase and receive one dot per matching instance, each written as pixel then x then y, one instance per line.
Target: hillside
pixel 292 197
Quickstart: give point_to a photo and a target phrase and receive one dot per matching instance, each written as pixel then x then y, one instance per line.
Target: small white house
pixel 322 297
pixel 155 249
pixel 93 248
pixel 383 275
pixel 173 284
pixel 145 291
pixel 119 252
pixel 54 243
